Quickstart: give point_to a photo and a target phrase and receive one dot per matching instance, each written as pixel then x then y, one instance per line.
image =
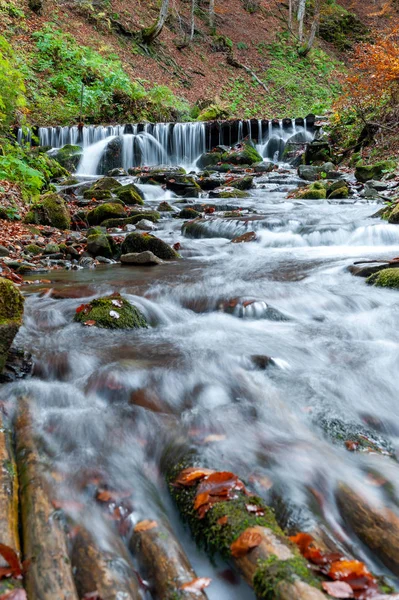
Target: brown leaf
pixel 89 323
pixel 191 475
pixel 112 496
pixel 19 594
pixel 338 589
pixel 12 558
pixel 248 540
pixel 196 585
pixel 145 526
pixel 223 520
pixel 351 446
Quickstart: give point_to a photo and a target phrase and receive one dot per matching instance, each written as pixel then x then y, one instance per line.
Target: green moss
pixel 68 157
pixel 51 210
pixel 151 216
pixel 339 193
pixel 165 207
pixel 11 313
pixel 232 194
pixel 130 194
pixel 341 28
pixel 247 156
pixel 246 183
pixel 99 245
pixel 138 242
pixel 33 249
pixel 104 212
pixel 95 230
pixel 99 311
pixel 392 214
pixel 365 173
pixel 209 159
pixel 272 572
pixel 213 112
pixel 315 191
pixel 188 213
pixel 97 194
pixel 385 278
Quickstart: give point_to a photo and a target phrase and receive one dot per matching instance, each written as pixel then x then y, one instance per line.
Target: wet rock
pixel 370 192
pixel 99 245
pixel 105 184
pixel 129 228
pixel 227 192
pixel 262 361
pixel 140 258
pixel 130 194
pixel 388 278
pixel 183 185
pixel 117 173
pixel 51 210
pixel 11 313
pixel 4 252
pixel 104 260
pixel 105 211
pixel 315 191
pixel 263 167
pixel 69 157
pixel 246 183
pixel 338 190
pixel 145 225
pixel 312 173
pixel 188 213
pixel 112 156
pixel 380 186
pixel 51 249
pixel 33 249
pixel 165 207
pixel 242 154
pixel 136 243
pixel 249 236
pixel 18 365
pixel 317 151
pixel 132 220
pixel 209 183
pixel 365 173
pixel 209 159
pixel 86 262
pixel 392 214
pixel 111 312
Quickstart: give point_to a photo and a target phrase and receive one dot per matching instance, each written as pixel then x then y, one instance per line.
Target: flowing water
pixel 113 402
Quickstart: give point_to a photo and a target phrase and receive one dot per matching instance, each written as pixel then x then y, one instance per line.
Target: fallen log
pixel 49 574
pixel 377 528
pixel 107 572
pixel 225 518
pixel 163 561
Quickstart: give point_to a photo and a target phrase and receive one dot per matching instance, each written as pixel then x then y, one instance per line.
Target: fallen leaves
pixel 10 556
pixel 249 539
pixel 351 578
pixel 89 323
pixel 196 585
pixel 19 594
pixel 145 526
pixel 192 475
pixel 217 487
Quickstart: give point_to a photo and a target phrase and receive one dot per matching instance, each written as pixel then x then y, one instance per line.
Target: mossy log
pixel 8 503
pixel 109 572
pixel 49 574
pixel 377 528
pixel 163 561
pixel 272 565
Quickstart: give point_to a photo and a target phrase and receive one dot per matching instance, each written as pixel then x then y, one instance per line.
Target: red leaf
pixel 192 475
pixel 81 308
pixel 223 520
pixel 196 585
pixel 12 558
pixel 249 539
pixel 337 589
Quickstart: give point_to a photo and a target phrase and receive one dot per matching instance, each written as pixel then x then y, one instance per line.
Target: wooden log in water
pixel 163 561
pixel 242 528
pixel 49 574
pixel 107 571
pixel 377 528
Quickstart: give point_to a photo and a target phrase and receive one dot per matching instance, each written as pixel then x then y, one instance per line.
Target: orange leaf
pixel 223 520
pixel 248 540
pixel 337 589
pixel 348 569
pixel 196 585
pixel 12 558
pixel 89 323
pixel 191 475
pixel 145 525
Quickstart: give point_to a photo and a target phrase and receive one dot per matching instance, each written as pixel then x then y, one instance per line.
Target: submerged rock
pixel 51 210
pixel 105 211
pixel 111 312
pixel 11 313
pixel 388 278
pixel 140 258
pixel 140 242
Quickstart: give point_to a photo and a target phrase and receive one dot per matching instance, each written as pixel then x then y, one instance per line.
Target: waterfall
pixel 90 160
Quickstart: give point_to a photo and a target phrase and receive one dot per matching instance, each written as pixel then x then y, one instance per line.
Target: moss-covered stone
pixel 150 216
pixel 188 213
pixel 392 214
pixel 99 245
pixel 342 28
pixel 140 242
pixel 95 230
pixel 97 194
pixel 50 210
pixel 315 191
pixel 68 157
pixel 52 249
pixel 273 571
pixel 388 278
pixel 165 207
pixel 209 159
pixel 33 249
pixel 246 183
pixel 365 173
pixel 214 111
pixel 247 155
pixel 11 313
pixel 105 211
pixel 231 193
pixel 130 194
pixel 99 310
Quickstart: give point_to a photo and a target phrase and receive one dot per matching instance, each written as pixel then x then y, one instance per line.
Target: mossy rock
pixel 339 193
pixel 140 242
pixel 209 159
pixel 96 231
pixel 165 207
pixel 105 211
pixel 342 29
pixel 248 155
pixel 34 249
pixel 51 210
pixel 106 185
pixel 68 157
pixel 97 194
pixel 11 313
pixel 99 244
pixel 229 193
pixel 315 191
pixel 388 278
pixel 365 173
pixel 51 249
pixel 99 310
pixel 246 183
pixel 188 213
pixel 273 571
pixel 213 112
pixel 392 215
pixel 151 216
pixel 130 194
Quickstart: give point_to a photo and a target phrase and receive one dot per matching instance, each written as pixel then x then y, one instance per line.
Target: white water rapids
pixel 335 342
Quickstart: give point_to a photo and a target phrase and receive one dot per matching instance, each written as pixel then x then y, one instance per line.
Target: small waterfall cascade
pixel 167 144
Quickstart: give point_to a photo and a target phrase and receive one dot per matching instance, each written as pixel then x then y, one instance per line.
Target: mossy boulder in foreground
pixel 365 173
pixel 105 211
pixel 11 313
pixel 130 194
pixel 51 210
pixel 388 278
pixel 111 312
pixel 140 242
pixel 315 191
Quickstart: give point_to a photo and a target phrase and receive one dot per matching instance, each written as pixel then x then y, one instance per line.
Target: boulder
pixel 338 190
pixel 365 173
pixel 140 258
pixel 140 242
pixel 183 185
pixel 117 173
pixel 188 213
pixel 68 157
pixel 209 159
pixel 245 183
pixel 33 249
pixel 388 278
pixel 317 151
pixel 145 225
pixel 11 313
pixel 105 211
pixel 393 215
pixel 263 167
pixel 315 191
pixel 51 249
pixel 130 194
pixel 50 210
pixel 242 154
pixel 227 192
pixel 102 189
pixel 165 207
pixel 112 156
pixel 4 252
pixel 99 244
pixel 132 220
pixel 111 312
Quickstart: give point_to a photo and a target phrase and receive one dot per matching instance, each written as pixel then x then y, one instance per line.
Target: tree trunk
pixel 108 572
pixel 212 13
pixel 151 33
pixel 313 30
pixel 163 561
pixel 49 574
pixel 193 6
pixel 301 17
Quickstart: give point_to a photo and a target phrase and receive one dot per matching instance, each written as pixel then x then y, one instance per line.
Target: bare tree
pixel 193 7
pixel 313 30
pixel 301 18
pixel 212 13
pixel 151 33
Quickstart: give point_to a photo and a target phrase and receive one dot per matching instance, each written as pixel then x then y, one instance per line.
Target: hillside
pixel 174 75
